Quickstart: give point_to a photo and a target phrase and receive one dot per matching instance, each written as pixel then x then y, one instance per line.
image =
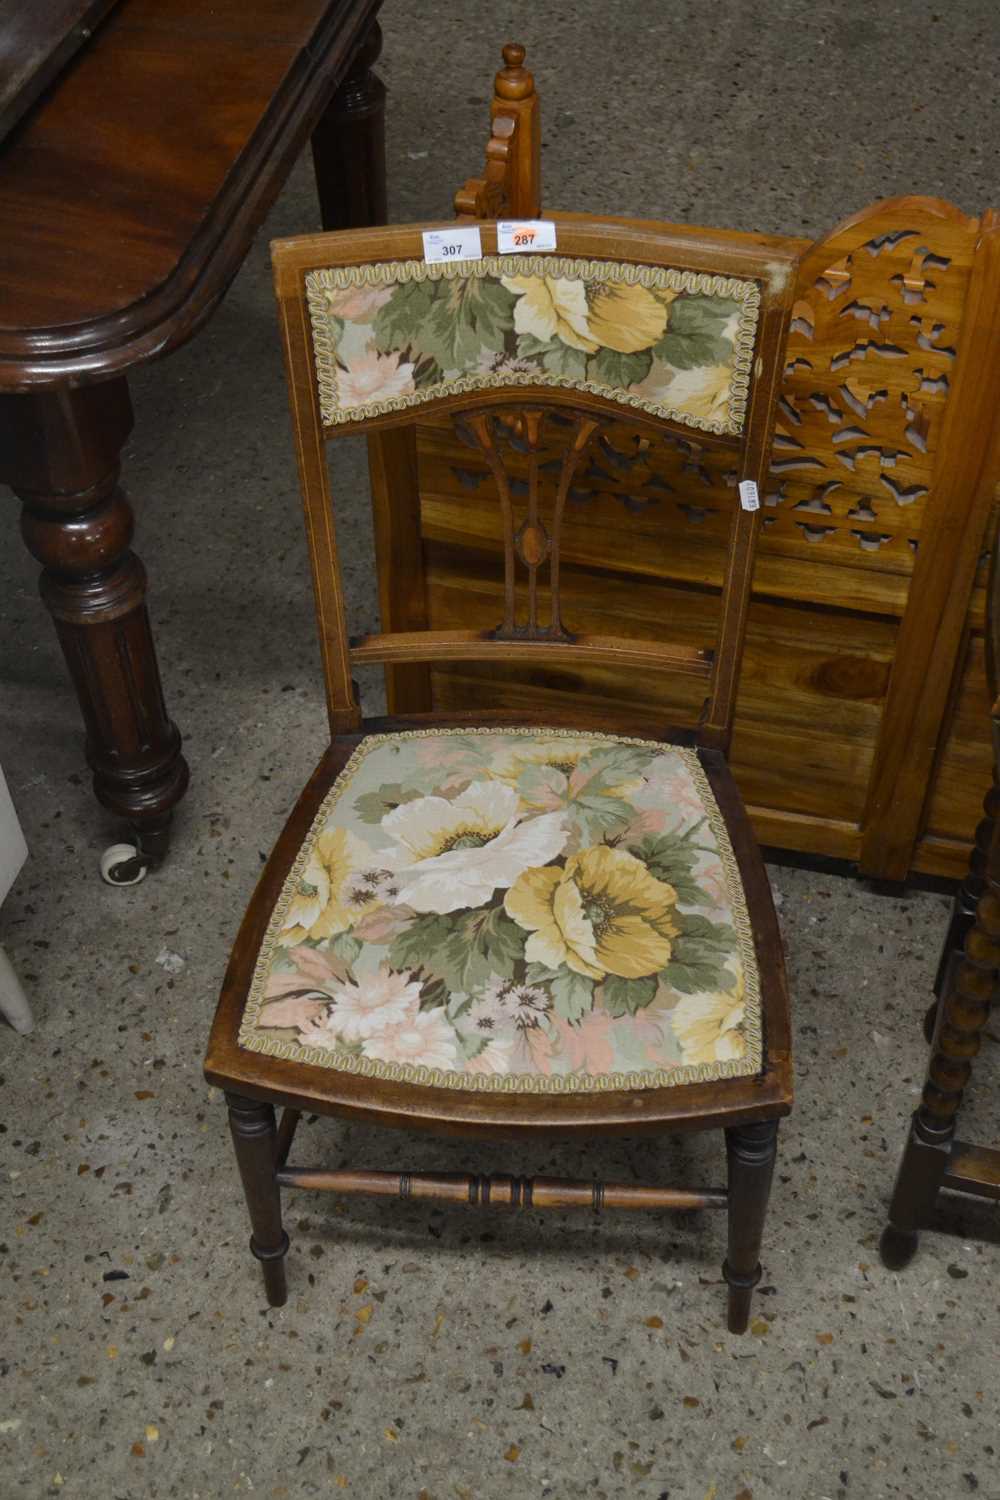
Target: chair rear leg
pixel 255 1139
pixel 751 1152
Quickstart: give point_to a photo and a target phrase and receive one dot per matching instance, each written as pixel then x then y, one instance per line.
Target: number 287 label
pixel 519 236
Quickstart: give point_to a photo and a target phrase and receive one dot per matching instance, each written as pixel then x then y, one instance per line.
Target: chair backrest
pixel 534 356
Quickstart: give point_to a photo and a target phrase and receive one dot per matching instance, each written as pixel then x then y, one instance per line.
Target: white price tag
pixel 460 243
pixel 516 236
pixel 748 495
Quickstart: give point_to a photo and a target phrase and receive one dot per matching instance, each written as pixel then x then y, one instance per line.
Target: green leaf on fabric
pixel 433 993
pixel 619 370
pixel 697 963
pixel 399 321
pixel 418 945
pixel 695 978
pixel 371 807
pixel 463 949
pixel 556 357
pixel 572 994
pixel 346 947
pixel 672 857
pixel 607 768
pixel 595 816
pixel 427 372
pixel 718 937
pixel 470 317
pixel 694 332
pixel 623 997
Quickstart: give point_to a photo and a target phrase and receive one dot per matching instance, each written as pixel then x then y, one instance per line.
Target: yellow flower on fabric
pixel 702 392
pixel 603 914
pixel 322 902
pixel 551 307
pixel 565 756
pixel 561 754
pixel 707 1026
pixel 626 318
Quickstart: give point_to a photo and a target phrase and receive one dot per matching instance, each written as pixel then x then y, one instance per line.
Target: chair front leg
pixel 255 1139
pixel 751 1151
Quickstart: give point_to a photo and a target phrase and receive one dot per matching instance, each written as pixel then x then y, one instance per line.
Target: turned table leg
pixel 61 456
pixel 348 145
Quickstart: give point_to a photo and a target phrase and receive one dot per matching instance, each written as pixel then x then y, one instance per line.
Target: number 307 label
pixel 461 242
pixel 517 236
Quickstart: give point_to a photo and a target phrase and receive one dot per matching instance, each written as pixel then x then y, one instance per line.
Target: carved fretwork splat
pixel 530 541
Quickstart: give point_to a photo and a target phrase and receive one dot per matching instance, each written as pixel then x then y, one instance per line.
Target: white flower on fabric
pixel 319 1033
pixel 456 854
pixel 384 999
pixel 506 1003
pixel 373 377
pixel 424 1039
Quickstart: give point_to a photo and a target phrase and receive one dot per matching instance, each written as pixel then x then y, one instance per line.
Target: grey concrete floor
pixel 444 1354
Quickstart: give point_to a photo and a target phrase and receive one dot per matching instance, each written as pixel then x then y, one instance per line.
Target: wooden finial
pixel 513 80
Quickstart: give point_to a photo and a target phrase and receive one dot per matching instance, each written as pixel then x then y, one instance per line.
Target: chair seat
pixel 526 910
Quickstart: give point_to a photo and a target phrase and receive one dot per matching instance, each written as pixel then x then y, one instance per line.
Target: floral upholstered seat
pixel 513 909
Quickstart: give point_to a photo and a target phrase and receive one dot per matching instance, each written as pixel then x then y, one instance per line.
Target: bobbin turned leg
pixel 255 1139
pixel 965 1009
pixel 60 452
pixel 963 912
pixel 751 1152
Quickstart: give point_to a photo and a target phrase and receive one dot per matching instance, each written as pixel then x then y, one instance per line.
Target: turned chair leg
pixel 964 1011
pixel 255 1139
pixel 751 1152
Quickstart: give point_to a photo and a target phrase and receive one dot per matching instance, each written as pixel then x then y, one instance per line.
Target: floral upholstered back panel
pixel 675 344
pixel 513 909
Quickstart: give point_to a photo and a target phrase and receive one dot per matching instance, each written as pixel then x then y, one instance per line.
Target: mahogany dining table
pixel 130 192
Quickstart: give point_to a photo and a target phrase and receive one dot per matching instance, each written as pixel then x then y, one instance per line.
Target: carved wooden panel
pixel 868 434
pixel 553 444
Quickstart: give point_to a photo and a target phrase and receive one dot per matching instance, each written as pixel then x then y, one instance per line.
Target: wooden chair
pixel 967 986
pixel 506 926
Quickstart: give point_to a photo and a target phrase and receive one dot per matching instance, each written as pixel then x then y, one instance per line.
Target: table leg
pixel 62 457
pixel 348 145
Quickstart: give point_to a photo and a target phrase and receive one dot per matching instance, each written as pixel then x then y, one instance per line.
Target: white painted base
pixel 13 1001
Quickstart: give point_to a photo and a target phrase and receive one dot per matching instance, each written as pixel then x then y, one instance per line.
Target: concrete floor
pixel 444 1354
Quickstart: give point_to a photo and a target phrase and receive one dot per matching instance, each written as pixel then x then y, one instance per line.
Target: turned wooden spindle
pixel 512 181
pixel 964 1011
pixel 255 1141
pixel 501 1191
pixel 964 906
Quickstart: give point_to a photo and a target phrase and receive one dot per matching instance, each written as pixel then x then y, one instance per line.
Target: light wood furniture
pixel 129 194
pixel 968 986
pixel 530 428
pixel 860 728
